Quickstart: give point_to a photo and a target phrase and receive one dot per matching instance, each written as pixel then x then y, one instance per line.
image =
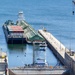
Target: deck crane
pixel 73 1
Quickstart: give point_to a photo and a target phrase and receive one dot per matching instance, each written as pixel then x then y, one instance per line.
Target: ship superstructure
pixel 14 34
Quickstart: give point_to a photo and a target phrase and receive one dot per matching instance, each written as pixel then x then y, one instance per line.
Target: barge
pixel 21 32
pixel 14 34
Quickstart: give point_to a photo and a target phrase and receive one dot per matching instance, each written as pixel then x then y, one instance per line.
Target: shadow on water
pixel 16 47
pixel 20 53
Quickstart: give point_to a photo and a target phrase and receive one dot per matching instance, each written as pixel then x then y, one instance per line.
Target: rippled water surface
pixel 55 15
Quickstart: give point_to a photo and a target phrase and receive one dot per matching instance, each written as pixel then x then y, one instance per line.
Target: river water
pixel 55 15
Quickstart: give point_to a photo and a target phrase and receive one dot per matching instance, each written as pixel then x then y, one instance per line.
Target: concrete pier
pixel 56 46
pixel 66 56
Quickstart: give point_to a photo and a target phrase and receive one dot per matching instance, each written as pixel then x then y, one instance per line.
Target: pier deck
pixel 58 48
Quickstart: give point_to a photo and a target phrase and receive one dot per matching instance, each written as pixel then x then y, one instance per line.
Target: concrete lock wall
pixel 70 63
